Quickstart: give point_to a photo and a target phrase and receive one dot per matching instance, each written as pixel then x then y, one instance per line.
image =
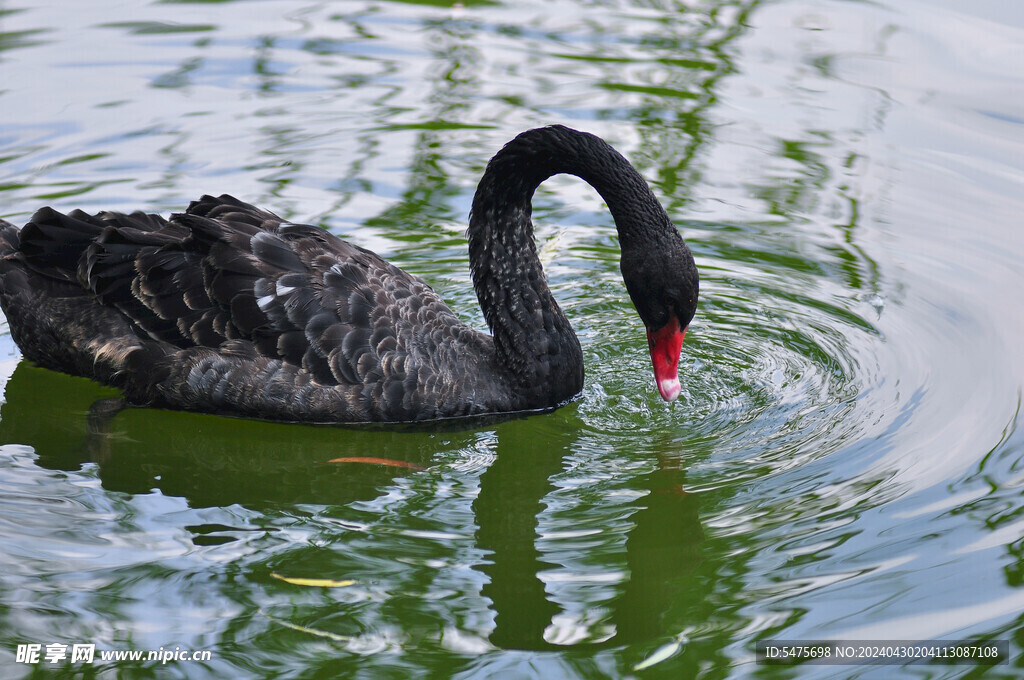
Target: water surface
pixel 844 460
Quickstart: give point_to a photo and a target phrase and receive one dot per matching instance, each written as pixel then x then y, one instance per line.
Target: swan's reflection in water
pixel 210 461
pixel 662 548
pixel 269 469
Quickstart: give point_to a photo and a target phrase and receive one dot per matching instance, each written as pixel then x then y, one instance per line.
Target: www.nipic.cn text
pixel 57 652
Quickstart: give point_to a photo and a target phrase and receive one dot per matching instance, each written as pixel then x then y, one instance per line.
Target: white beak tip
pixel 669 388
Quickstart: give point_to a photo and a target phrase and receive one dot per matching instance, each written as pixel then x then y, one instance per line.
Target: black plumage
pixel 227 308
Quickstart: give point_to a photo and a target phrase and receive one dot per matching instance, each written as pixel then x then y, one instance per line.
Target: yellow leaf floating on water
pixel 373 460
pixel 313 582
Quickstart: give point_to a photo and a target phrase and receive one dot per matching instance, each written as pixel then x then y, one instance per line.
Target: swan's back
pixel 227 308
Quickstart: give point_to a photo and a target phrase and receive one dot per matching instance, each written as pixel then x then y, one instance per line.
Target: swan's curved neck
pixel 533 339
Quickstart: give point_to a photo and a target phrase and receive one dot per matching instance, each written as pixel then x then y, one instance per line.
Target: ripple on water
pixel 774 362
pixel 90 557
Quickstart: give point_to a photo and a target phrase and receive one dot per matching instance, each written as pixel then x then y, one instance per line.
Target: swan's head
pixel 662 281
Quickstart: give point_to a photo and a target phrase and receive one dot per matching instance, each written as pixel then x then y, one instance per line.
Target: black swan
pixel 229 309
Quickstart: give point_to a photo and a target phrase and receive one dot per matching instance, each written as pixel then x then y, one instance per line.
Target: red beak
pixel 665 344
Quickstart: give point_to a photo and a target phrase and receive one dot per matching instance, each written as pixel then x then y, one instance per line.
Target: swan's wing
pixel 229 308
pixel 295 291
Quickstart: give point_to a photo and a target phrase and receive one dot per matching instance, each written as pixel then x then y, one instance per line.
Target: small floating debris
pixel 305 629
pixel 314 582
pixel 878 302
pixel 372 460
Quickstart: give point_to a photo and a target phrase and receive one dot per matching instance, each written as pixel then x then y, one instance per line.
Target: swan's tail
pixel 54 320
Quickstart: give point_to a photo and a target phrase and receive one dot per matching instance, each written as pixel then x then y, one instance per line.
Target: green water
pixel 844 460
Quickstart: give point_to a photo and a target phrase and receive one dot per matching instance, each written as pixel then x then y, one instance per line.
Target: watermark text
pixel 77 653
pixel 882 652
